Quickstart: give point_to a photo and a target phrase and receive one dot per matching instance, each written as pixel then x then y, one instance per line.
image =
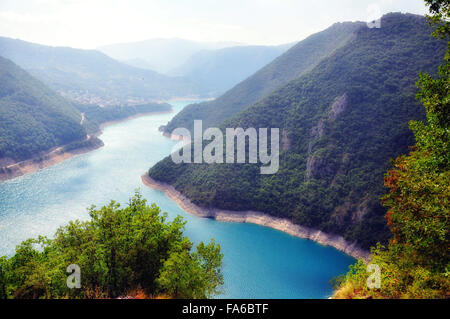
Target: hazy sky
pixel 91 23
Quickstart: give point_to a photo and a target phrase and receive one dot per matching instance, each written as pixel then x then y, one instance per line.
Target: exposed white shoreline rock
pixel 57 155
pixel 259 218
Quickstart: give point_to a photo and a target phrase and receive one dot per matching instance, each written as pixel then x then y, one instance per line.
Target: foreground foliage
pixel 416 263
pixel 119 250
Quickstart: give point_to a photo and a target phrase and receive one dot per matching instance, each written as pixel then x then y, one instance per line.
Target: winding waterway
pixel 259 262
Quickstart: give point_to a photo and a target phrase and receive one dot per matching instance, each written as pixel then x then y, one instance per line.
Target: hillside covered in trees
pixel 89 76
pixel 340 125
pixel 96 115
pixel 298 60
pixel 415 263
pixel 117 252
pixel 33 118
pixel 160 54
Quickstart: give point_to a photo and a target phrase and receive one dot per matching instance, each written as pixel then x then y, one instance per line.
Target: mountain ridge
pixel 219 70
pixel 160 54
pixel 343 121
pixel 298 60
pixel 90 76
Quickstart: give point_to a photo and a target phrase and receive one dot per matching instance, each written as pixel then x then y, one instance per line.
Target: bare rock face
pixel 360 212
pixel 348 211
pixel 285 141
pixel 340 213
pixel 338 107
pixel 315 166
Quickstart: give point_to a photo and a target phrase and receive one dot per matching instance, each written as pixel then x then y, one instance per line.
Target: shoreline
pixel 177 99
pixel 131 117
pixel 50 158
pixel 175 137
pixel 57 154
pixel 259 218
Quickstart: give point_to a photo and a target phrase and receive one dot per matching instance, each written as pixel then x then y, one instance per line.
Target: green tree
pixel 118 250
pixel 196 275
pixel 440 13
pixel 416 262
pixel 3 280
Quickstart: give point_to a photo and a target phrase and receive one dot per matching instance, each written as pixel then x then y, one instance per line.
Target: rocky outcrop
pixel 314 162
pixel 337 107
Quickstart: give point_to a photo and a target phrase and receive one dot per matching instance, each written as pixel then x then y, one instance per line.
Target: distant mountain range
pixel 94 88
pixel 213 67
pixel 161 55
pixel 216 71
pixel 92 77
pixel 342 100
pixel 35 119
pixel 89 76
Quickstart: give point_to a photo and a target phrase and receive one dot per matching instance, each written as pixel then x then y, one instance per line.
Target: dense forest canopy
pixel 343 121
pixel 415 264
pixel 118 251
pixel 33 118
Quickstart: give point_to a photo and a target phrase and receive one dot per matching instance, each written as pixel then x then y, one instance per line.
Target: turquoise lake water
pixel 259 262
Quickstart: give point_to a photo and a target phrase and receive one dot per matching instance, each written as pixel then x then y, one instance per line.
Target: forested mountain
pixel 216 71
pixel 33 118
pixel 296 61
pixel 161 55
pixel 416 261
pixel 89 76
pixel 340 124
pixel 96 115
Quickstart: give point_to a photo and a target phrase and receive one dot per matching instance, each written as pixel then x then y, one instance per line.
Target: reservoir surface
pixel 259 262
